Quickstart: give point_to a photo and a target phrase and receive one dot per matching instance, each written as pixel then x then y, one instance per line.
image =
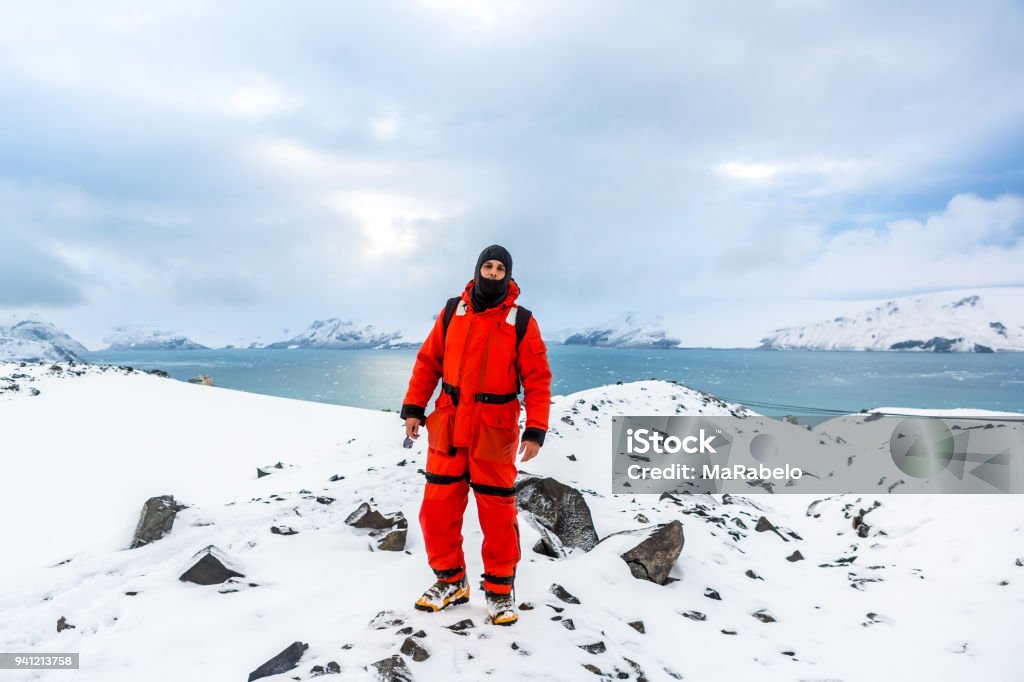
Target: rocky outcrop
pixel 282 663
pixel 211 568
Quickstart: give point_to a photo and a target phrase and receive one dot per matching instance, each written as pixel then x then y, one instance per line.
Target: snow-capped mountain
pixel 35 340
pixel 144 338
pixel 334 333
pixel 981 321
pixel 765 586
pixel 629 330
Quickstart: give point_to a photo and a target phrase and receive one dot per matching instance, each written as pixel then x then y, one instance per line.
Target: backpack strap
pixel 522 321
pixel 449 310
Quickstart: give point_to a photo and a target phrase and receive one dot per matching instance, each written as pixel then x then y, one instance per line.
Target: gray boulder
pixel 654 558
pixel 156 520
pixel 560 511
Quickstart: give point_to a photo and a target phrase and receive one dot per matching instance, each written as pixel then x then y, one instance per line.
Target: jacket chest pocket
pixel 498 434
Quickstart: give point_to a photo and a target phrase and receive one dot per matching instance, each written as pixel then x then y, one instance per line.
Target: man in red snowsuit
pixel 481 356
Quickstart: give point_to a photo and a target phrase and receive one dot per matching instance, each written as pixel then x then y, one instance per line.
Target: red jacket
pixel 479 356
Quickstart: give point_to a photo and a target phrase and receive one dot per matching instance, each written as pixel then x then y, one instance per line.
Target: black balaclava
pixel 488 293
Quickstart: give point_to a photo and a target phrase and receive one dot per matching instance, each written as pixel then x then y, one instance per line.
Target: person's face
pixel 493 269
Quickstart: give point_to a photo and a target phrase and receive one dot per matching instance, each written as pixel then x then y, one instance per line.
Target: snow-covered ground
pixel 935 591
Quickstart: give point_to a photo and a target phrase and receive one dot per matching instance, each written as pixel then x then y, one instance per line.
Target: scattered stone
pixel 597 647
pixel 402 463
pixel 562 513
pixel 642 519
pixel 764 524
pixel 795 556
pixel 393 669
pixel 156 520
pixel 568 624
pixel 694 615
pixel 412 649
pixel 750 574
pixel 728 632
pixel 526 606
pixel 653 558
pixel 419 633
pixel 282 663
pixel 407 630
pixel 394 541
pixel 563 594
pixel 712 594
pixel 764 616
pixel 323 499
pixel 385 619
pixel 333 667
pixel 283 530
pixel 335 477
pixel 462 626
pixel 366 517
pixel 132 593
pixel 210 569
pixel 638 625
pixel 1019 562
pixel 63 624
pixel 571 458
pixel 594 669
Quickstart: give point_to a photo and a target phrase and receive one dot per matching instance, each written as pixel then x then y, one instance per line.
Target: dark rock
pixel 131 593
pixel 728 632
pixel 209 569
pixel 638 625
pixel 560 510
pixel 63 624
pixel 563 594
pixel 642 519
pixel 407 630
pixel 156 520
pixel 260 473
pixel 594 669
pixel 366 517
pixel 763 616
pixel 333 667
pixel 1019 562
pixel 158 372
pixel 323 499
pixel 712 594
pixel 694 615
pixel 283 530
pixel 335 477
pixel 462 626
pixel 568 624
pixel 526 606
pixel 393 669
pixel 597 647
pixel 571 458
pixel 653 558
pixel 795 556
pixel 764 524
pixel 419 633
pixel 282 663
pixel 413 650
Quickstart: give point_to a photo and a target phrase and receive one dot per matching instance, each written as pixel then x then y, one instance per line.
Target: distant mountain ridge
pixel 35 340
pixel 338 334
pixel 629 330
pixel 141 338
pixel 985 322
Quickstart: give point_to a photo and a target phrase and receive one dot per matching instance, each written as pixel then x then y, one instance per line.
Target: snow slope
pixel 933 592
pixel 989 320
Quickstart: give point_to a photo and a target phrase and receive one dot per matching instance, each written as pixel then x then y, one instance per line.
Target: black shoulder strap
pixel 449 310
pixel 522 321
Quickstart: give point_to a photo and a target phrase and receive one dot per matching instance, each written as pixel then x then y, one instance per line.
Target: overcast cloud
pixel 234 169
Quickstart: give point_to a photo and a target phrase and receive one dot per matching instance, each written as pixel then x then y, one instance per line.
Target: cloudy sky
pixel 235 169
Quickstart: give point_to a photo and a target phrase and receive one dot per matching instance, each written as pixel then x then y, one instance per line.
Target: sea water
pixel 770 382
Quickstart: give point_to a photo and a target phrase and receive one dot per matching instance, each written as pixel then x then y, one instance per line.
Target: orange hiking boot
pixel 501 608
pixel 441 595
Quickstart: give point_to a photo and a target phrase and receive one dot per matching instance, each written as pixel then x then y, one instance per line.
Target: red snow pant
pixel 449 478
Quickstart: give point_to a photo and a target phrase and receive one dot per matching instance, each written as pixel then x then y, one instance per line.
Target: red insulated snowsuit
pixel 473 431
